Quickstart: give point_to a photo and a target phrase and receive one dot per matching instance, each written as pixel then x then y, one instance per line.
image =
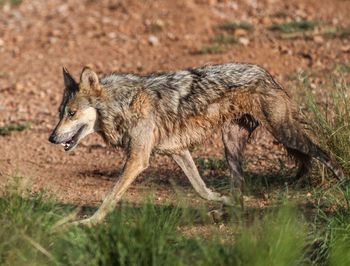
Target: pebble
pixel 112 35
pixel 243 41
pixel 240 32
pixel 318 39
pixel 345 48
pixel 153 40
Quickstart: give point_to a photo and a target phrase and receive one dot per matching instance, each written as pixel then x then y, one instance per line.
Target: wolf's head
pixel 78 117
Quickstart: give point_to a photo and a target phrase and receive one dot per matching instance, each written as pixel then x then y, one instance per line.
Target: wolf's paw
pixel 89 222
pixel 227 201
pixel 215 196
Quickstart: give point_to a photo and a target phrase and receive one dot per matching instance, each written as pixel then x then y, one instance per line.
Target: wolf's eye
pixel 71 113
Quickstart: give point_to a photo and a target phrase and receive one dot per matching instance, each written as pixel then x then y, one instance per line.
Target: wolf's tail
pixel 281 118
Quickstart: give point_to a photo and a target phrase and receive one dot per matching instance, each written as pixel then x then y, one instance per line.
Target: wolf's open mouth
pixel 73 141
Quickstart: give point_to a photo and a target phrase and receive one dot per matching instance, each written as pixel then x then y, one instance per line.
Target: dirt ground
pixel 38 38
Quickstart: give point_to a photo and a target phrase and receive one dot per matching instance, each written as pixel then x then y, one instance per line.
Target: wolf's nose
pixel 52 138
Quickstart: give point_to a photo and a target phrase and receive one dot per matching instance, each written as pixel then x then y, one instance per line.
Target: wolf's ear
pixel 69 82
pixel 89 80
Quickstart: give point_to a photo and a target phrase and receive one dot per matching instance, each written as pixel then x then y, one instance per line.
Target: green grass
pixel 330 118
pixel 213 49
pixel 333 221
pixel 224 39
pixel 229 26
pixel 296 26
pixel 4 75
pixel 342 33
pixel 222 42
pixel 143 235
pixel 14 127
pixel 10 2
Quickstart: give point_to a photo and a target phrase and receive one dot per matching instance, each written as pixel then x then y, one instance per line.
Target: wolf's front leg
pixel 135 164
pixel 132 169
pixel 137 161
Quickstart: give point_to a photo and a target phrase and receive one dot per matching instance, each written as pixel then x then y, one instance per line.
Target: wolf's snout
pixel 52 139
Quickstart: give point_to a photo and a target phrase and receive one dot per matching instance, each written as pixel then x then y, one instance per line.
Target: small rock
pixel 160 23
pixel 171 36
pixel 122 37
pixel 112 35
pixel 345 48
pixel 240 32
pixel 56 33
pixel 6 8
pixel 18 87
pixel 153 40
pixel 2 42
pixel 106 20
pixel 318 39
pixel 53 40
pixel 243 41
pixel 266 20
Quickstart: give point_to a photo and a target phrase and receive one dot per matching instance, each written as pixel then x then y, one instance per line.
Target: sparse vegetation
pixel 296 26
pixel 213 49
pixel 342 33
pixel 330 115
pixel 4 75
pixel 229 26
pixel 224 39
pixel 10 2
pixel 151 234
pixel 305 29
pixel 11 128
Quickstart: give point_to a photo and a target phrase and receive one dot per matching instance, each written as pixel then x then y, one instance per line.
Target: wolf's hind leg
pixel 235 136
pixel 186 163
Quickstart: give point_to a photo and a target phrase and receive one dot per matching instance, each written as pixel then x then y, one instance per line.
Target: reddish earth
pixel 37 38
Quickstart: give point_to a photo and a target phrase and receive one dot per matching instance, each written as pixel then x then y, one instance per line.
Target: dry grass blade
pixel 38 246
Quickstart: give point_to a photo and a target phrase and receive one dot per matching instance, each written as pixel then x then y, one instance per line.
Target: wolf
pixel 169 112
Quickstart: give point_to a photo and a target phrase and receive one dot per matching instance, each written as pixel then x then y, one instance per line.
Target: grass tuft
pixel 296 26
pixel 14 127
pixel 331 121
pixel 213 49
pixel 229 26
pixel 10 2
pixel 221 38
